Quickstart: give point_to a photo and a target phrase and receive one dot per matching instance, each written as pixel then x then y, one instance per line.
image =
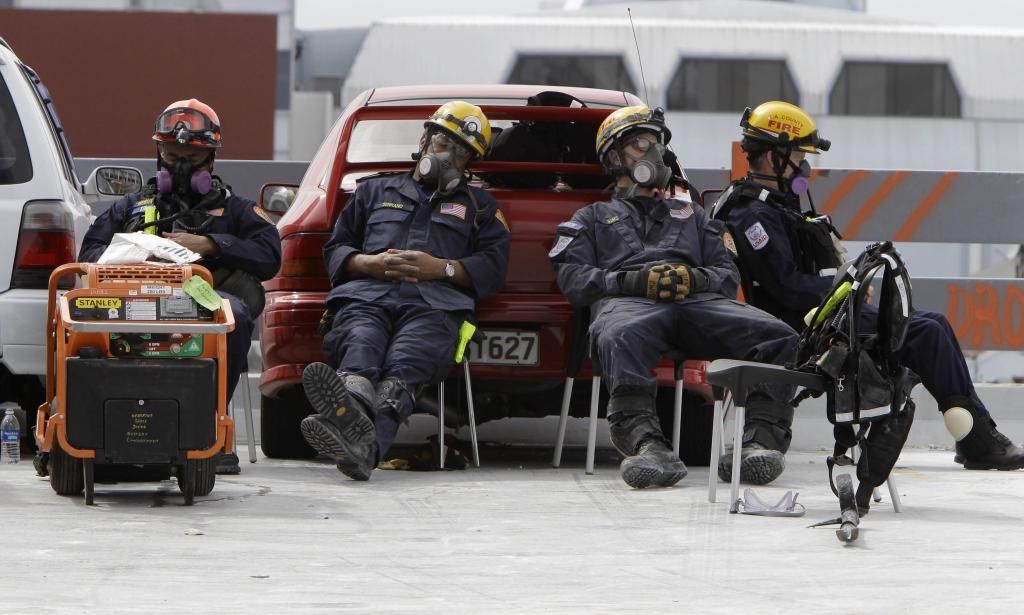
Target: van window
pixel 15 164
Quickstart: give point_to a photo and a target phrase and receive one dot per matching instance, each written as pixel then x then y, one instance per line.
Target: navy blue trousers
pixel 633 334
pixel 932 351
pixel 239 341
pixel 391 338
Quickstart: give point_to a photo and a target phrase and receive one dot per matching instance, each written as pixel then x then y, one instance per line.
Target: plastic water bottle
pixel 10 432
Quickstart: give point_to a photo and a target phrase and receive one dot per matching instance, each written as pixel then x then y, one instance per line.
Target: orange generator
pixel 135 379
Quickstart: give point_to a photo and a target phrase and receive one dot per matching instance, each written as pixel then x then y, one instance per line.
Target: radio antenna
pixel 647 98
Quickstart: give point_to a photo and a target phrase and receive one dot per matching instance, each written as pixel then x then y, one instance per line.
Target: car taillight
pixel 302 255
pixel 46 240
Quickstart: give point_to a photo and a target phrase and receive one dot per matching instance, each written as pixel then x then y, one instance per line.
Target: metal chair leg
pixel 250 428
pixel 595 394
pixel 472 412
pixel 563 420
pixel 716 449
pixel 677 420
pixel 440 422
pixel 897 504
pixel 737 446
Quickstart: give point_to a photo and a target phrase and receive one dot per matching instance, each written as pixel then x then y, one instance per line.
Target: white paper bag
pixel 136 248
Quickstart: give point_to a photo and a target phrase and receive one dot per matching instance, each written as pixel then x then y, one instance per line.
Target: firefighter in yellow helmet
pixel 657 279
pixel 409 256
pixel 788 255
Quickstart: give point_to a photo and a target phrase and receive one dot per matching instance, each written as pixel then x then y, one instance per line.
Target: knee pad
pixel 959 422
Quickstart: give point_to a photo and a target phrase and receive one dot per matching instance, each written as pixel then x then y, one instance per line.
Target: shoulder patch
pixel 570 228
pixel 560 245
pixel 501 218
pixel 262 213
pixel 757 236
pixel 730 245
pixel 682 213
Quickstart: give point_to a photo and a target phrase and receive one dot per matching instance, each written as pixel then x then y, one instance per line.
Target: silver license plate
pixel 504 348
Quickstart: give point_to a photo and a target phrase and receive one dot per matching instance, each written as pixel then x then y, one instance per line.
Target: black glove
pixel 664 282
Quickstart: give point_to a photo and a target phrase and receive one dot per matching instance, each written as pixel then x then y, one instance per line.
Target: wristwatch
pixel 449 270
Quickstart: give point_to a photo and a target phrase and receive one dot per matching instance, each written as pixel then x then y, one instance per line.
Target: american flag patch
pixel 454 209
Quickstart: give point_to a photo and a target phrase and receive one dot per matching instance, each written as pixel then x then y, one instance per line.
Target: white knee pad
pixel 959 422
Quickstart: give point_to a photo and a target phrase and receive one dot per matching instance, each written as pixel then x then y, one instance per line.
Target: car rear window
pixel 389 140
pixel 15 164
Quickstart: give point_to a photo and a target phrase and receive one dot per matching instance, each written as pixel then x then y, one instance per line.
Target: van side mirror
pixel 275 199
pixel 113 181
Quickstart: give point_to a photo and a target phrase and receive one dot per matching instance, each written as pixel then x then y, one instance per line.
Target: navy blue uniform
pixel 401 330
pixel 604 240
pixel 247 241
pixel 770 256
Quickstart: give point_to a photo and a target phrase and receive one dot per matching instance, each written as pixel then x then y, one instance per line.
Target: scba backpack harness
pixel 868 392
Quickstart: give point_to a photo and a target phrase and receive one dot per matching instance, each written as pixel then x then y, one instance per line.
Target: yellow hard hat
pixel 781 123
pixel 627 119
pixel 465 122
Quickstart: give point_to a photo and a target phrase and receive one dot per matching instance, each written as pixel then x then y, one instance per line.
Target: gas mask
pixel 650 171
pixel 183 179
pixel 437 169
pixel 798 183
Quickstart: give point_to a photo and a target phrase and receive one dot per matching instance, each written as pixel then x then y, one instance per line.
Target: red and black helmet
pixel 188 122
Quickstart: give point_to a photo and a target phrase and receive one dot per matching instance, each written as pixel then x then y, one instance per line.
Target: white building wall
pixel 990 135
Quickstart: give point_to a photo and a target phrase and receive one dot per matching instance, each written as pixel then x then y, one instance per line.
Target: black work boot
pixel 980 446
pixel 227 463
pixel 636 433
pixel 342 429
pixel 654 464
pixel 766 438
pixel 759 465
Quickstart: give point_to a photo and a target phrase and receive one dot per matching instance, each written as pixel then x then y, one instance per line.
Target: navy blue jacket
pixel 247 240
pixel 604 240
pixel 769 253
pixel 394 212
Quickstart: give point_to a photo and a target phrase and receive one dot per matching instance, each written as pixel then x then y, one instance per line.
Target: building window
pixel 729 85
pixel 895 89
pixel 588 71
pixel 283 99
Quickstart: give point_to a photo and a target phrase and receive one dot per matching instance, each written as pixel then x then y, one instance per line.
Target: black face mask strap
pixel 780 161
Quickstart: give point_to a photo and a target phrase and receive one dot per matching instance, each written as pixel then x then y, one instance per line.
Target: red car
pixel 540 173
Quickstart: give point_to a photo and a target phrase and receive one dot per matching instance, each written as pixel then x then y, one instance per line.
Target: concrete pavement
pixel 514 536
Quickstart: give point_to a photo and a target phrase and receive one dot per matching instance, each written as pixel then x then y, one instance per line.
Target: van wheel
pixel 695 436
pixel 280 416
pixel 67 474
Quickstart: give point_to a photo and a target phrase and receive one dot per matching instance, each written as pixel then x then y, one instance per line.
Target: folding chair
pixel 466 332
pixel 250 429
pixel 581 344
pixel 737 377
